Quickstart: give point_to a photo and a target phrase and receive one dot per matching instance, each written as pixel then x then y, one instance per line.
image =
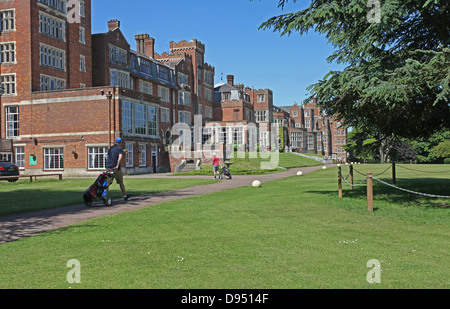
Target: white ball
pixel 300 173
pixel 324 167
pixel 256 184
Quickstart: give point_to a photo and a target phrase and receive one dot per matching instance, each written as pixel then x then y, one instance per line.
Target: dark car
pixel 8 169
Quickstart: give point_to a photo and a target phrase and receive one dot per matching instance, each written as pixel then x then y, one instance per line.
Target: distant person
pixel 115 155
pixel 216 163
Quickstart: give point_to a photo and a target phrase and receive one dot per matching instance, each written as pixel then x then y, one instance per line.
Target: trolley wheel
pixel 109 202
pixel 88 203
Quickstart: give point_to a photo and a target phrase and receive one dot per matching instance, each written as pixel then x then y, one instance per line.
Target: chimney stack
pixel 113 24
pixel 145 45
pixel 230 80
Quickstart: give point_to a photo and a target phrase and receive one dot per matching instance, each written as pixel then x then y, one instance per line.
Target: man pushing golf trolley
pixel 100 187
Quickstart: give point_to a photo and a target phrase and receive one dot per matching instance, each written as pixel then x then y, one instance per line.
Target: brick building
pixel 312 131
pixel 66 94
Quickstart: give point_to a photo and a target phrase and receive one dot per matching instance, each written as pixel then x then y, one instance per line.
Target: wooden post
pixel 340 182
pixel 370 192
pixel 394 180
pixel 351 175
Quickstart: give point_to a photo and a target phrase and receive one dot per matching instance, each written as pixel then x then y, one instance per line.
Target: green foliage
pixel 442 150
pixel 398 70
pixel 425 145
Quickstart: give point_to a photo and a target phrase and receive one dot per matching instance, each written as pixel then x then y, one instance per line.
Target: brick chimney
pixel 113 24
pixel 230 80
pixel 149 47
pixel 145 45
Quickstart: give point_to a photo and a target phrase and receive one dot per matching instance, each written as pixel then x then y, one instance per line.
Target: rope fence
pixel 369 177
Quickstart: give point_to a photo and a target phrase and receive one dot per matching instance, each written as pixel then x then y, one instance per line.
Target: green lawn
pixel 293 233
pixel 250 164
pixel 24 196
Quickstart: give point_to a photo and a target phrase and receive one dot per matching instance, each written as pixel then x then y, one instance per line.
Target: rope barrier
pixel 363 181
pixel 432 172
pixel 374 175
pixel 410 191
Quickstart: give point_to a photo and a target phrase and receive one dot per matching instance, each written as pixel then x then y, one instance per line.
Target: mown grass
pixel 293 233
pixel 24 196
pixel 245 163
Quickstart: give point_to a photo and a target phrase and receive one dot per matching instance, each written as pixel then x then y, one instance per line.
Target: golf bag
pixel 99 189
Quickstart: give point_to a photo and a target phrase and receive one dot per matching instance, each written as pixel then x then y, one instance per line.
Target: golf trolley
pixel 99 189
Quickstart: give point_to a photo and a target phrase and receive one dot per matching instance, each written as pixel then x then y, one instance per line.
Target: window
pixel 7 21
pixel 142 155
pixel 209 77
pixel 206 136
pixel 53 158
pixel 119 78
pixel 163 93
pixel 184 98
pixel 295 114
pixel 208 95
pixel 97 157
pixel 82 63
pixel 129 162
pixel 208 112
pixel 127 117
pixel 117 54
pixel 82 8
pixel 52 83
pixel 20 157
pixel 52 26
pixel 261 97
pixel 139 119
pixel 8 52
pixel 8 84
pixel 146 66
pixel 185 117
pixel 297 140
pixel 226 96
pixel 52 57
pixel 261 116
pixel 59 5
pixel 163 73
pixel 183 79
pixel 165 115
pixel 310 142
pixel 145 87
pixel 152 121
pixel 82 35
pixel 12 121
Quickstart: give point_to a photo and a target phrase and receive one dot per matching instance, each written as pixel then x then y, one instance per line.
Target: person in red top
pixel 216 163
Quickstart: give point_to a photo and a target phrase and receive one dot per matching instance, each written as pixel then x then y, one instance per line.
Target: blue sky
pixel 233 43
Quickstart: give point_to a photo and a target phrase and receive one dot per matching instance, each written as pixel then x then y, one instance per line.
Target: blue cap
pixel 118 140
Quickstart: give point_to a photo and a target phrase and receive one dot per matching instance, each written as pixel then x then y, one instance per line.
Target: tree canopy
pixel 397 61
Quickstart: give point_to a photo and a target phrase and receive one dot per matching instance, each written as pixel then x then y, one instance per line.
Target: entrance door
pixel 155 158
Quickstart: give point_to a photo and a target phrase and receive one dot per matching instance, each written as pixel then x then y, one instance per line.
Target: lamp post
pixel 109 97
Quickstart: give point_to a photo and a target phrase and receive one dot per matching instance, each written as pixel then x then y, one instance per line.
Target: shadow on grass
pixel 381 191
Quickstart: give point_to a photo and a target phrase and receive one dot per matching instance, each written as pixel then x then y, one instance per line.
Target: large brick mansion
pixel 66 94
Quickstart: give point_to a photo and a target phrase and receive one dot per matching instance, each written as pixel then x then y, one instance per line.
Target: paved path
pixel 15 227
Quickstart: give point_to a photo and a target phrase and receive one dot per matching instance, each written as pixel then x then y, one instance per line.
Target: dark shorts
pixel 215 168
pixel 118 176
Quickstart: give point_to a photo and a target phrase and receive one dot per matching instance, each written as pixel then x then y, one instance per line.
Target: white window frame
pixel 129 156
pixel 142 155
pixel 97 156
pixel 53 159
pixel 12 122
